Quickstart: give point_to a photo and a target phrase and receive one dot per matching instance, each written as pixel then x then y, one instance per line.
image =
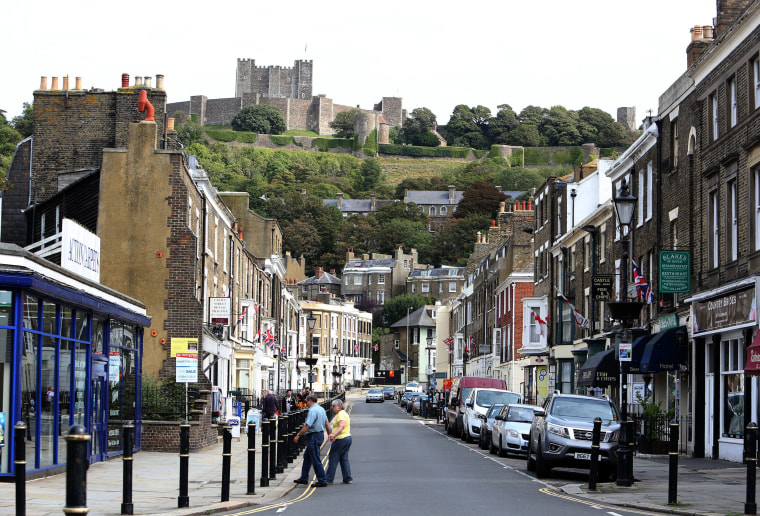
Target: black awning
pixel 600 370
pixel 637 353
pixel 662 352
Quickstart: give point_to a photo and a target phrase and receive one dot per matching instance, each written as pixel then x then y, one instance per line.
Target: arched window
pixel 443 210
pixel 432 210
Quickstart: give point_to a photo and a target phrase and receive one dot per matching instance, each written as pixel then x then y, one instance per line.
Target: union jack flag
pixel 473 346
pixel 269 340
pixel 356 347
pixel 642 287
pixel 377 348
pixel 449 344
pixel 240 319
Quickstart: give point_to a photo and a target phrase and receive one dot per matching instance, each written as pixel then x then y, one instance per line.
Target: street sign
pixel 440 374
pixel 489 362
pixel 219 310
pixel 601 287
pixel 675 272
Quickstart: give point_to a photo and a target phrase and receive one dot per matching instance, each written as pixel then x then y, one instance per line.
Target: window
pixel 535 329
pixel 713 228
pixel 381 279
pixel 587 250
pixel 732 387
pixel 380 297
pixel 432 210
pixel 713 106
pixel 565 380
pixel 731 229
pixel 640 200
pixel 559 216
pixel 755 207
pixel 414 288
pixel 571 270
pixel 650 190
pixel 443 210
pixel 674 233
pixel 732 109
pixel 602 243
pixel 674 146
pixel 357 279
pixel 452 286
pixel 406 264
pixel 755 81
pixel 426 287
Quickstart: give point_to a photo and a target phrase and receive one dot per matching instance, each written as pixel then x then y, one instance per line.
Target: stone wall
pixel 274 81
pixel 16 199
pixel 222 111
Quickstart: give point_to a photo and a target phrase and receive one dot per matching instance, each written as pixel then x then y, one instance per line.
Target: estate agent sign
pixel 675 272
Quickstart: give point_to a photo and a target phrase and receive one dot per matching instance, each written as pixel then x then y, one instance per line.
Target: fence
pixel 166 401
pixel 653 431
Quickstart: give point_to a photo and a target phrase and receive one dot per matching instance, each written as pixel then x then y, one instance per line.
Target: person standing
pixel 290 401
pixel 341 442
pixel 270 407
pixel 313 429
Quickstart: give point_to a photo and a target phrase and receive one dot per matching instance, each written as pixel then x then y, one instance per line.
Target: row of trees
pixel 10 134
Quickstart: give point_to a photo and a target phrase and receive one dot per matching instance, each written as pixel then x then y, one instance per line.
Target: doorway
pixel 98 419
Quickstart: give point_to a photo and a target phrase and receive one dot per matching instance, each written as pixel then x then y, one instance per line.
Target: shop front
pixel 724 324
pixel 70 353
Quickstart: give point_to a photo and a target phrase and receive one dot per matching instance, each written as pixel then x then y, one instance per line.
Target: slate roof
pixel 442 197
pixel 420 317
pixel 440 272
pixel 326 279
pixel 366 264
pixel 357 205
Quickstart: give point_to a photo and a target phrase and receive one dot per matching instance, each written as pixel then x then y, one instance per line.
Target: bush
pixel 424 152
pixel 226 135
pixel 370 145
pixel 281 140
pixel 259 118
pixel 517 159
pixel 479 153
pixel 324 144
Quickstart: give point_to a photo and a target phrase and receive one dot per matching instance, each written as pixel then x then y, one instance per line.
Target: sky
pixel 599 53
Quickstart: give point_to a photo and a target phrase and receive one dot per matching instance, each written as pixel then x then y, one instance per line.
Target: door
pixel 98 426
pixel 709 416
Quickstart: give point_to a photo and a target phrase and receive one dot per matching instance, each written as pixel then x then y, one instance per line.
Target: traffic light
pixel 364 368
pixel 343 369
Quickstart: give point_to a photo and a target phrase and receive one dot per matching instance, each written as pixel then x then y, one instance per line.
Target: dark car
pixel 405 398
pixel 484 438
pixel 389 392
pixel 561 435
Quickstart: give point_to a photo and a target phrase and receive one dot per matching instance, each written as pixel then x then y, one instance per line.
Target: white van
pixel 413 387
pixel 478 403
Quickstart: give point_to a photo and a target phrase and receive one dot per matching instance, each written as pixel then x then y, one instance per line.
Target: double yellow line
pixel 303 496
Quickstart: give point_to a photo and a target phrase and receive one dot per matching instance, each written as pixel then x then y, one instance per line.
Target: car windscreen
pixel 375 391
pixel 488 398
pixel 520 415
pixel 495 408
pixel 583 409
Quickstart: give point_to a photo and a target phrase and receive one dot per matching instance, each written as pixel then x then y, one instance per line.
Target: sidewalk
pixel 705 486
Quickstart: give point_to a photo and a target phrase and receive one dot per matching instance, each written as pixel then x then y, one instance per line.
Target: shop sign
pixel 668 321
pixel 114 366
pixel 729 310
pixel 675 272
pixel 80 250
pixel 219 310
pixel 626 351
pixel 601 287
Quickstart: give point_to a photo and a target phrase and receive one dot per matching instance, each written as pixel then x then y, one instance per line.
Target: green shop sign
pixel 675 272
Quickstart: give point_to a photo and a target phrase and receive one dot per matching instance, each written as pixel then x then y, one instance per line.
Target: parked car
pixel 561 435
pixel 479 402
pixel 412 399
pixel 405 398
pixel 487 420
pixel 389 392
pixel 510 431
pixel 460 391
pixel 375 394
pixel 413 387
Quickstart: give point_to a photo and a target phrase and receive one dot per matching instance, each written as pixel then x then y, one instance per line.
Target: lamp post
pixel 337 373
pixel 311 321
pixel 429 369
pixel 625 312
pixel 406 367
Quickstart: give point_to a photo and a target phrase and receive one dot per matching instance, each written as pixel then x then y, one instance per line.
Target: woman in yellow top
pixel 341 442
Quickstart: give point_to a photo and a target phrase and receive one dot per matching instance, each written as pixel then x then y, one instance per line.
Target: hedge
pixel 279 139
pixel 229 135
pixel 517 159
pixel 424 152
pixel 324 144
pixel 370 145
pixel 479 153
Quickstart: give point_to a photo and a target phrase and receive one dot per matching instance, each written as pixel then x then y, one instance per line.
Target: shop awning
pixel 662 352
pixel 600 370
pixel 637 353
pixel 752 366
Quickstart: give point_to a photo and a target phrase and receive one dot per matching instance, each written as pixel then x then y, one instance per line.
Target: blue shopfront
pixel 70 353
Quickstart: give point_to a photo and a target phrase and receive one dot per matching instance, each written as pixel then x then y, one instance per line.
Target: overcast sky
pixel 599 53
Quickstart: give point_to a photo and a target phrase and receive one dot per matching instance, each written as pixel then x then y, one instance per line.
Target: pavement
pixel 704 486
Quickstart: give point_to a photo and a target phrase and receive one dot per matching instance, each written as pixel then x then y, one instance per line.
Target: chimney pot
pixel 170 124
pixel 54 86
pixel 65 83
pixel 125 80
pixel 501 206
pixel 159 82
pixel 78 83
pixel 138 81
pixel 707 31
pixel 43 83
pixel 148 81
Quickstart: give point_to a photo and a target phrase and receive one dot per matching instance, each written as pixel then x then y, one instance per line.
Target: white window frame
pixel 714 227
pixel 714 115
pixel 381 297
pixel 733 110
pixel 357 279
pixel 733 221
pixel 381 279
pixel 452 286
pixel 756 205
pixel 756 80
pixel 642 193
pixel 650 190
pixel 425 288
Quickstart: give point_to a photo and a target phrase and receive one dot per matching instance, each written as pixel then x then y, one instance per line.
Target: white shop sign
pixel 80 250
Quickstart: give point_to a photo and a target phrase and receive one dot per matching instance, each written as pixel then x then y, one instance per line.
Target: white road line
pixel 613 513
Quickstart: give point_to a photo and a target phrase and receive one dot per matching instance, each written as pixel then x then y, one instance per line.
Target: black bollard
pixel 673 466
pixel 273 424
pixel 128 432
pixel 283 457
pixel 750 507
pixel 594 468
pixel 226 461
pixel 289 445
pixel 251 458
pixel 183 500
pixel 625 455
pixel 264 453
pixel 19 442
pixel 281 424
pixel 76 470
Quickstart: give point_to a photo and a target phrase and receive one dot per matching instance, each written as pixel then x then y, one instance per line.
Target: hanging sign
pixel 674 272
pixel 219 310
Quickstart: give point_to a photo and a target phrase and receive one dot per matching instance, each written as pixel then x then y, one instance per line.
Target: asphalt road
pixel 400 465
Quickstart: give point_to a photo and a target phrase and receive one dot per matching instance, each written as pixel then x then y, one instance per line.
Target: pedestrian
pixel 270 407
pixel 314 429
pixel 290 401
pixel 341 442
pixel 50 395
pixel 300 401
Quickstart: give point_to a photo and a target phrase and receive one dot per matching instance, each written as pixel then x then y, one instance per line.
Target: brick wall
pixel 16 199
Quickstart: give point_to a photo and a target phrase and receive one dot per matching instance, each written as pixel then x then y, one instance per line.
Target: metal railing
pixel 166 401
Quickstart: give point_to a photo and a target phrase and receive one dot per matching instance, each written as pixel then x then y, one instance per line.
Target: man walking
pixel 313 429
pixel 270 406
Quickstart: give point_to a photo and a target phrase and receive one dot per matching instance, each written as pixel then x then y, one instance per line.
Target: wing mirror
pixel 499 417
pixel 539 413
pixel 468 403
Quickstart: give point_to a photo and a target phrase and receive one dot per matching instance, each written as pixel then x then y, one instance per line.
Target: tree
pixel 189 133
pixel 502 124
pixel 396 308
pixel 24 123
pixel 343 123
pixel 259 118
pixel 370 174
pixel 481 198
pixel 454 243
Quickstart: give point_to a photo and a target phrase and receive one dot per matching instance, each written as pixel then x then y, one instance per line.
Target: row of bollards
pixel 278 450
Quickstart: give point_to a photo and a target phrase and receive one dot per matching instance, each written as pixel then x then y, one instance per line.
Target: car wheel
pixel 502 451
pixel 542 468
pixel 447 427
pixel 531 464
pixel 467 435
pixel 491 447
pixel 463 432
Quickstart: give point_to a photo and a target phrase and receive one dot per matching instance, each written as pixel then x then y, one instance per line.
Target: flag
pixel 377 348
pixel 540 323
pixel 642 287
pixel 256 337
pixel 356 348
pixel 473 346
pixel 240 319
pixel 283 351
pixel 581 321
pixel 449 344
pixel 269 340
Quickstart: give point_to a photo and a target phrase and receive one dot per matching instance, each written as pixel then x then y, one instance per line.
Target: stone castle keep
pixel 287 89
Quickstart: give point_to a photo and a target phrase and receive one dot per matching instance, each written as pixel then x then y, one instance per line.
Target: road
pixel 400 465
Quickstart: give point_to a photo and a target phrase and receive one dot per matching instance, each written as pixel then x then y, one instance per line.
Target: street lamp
pixel 429 350
pixel 338 372
pixel 311 321
pixel 625 312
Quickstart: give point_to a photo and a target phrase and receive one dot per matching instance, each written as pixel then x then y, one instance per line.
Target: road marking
pixel 282 509
pixel 553 491
pixel 613 513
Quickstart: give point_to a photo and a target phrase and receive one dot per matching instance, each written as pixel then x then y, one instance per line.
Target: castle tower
pixel 274 81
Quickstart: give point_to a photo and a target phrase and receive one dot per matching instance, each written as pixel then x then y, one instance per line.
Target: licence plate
pixel 585 456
